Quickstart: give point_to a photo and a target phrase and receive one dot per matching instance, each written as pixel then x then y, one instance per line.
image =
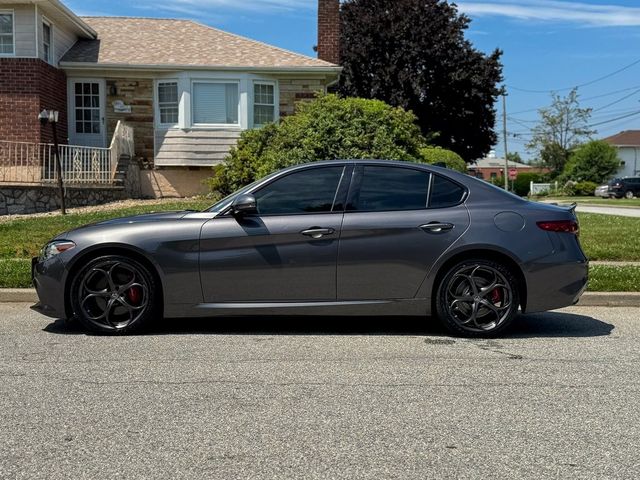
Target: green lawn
pixel 23 238
pixel 610 237
pixel 603 237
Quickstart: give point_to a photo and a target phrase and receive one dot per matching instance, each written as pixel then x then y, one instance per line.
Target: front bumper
pixel 48 279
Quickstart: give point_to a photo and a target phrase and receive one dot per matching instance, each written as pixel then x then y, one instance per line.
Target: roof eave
pixel 329 69
pixel 77 21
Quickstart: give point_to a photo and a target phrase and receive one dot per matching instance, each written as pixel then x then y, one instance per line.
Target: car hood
pixel 144 218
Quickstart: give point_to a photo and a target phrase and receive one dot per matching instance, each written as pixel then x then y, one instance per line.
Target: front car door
pixel 285 253
pixel 398 221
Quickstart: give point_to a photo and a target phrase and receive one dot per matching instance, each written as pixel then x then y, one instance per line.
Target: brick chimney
pixel 329 30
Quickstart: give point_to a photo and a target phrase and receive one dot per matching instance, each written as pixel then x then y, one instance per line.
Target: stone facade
pixel 28 86
pixel 293 91
pixel 139 95
pixel 17 200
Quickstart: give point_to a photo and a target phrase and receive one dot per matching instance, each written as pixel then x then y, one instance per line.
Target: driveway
pixel 319 398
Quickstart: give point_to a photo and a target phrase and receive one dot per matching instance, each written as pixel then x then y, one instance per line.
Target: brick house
pixel 188 90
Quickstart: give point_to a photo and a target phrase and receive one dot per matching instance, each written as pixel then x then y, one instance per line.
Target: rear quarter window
pixel 445 193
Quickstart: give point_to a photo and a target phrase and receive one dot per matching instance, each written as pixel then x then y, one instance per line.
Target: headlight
pixel 54 248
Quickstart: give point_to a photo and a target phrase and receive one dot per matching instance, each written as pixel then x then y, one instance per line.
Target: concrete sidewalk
pixel 589 299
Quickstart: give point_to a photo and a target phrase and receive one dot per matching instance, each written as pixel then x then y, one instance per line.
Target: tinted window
pixel 391 188
pixel 445 193
pixel 308 191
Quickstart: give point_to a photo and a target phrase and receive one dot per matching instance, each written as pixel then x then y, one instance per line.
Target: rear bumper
pixel 48 279
pixel 552 286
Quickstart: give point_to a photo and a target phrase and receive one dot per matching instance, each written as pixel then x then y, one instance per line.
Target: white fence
pixel 541 188
pixel 35 163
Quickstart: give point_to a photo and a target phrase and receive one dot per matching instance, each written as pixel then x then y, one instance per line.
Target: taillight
pixel 562 226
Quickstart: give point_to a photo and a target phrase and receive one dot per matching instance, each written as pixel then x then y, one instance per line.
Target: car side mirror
pixel 245 204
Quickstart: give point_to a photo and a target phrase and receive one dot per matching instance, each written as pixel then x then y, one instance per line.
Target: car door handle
pixel 437 227
pixel 317 232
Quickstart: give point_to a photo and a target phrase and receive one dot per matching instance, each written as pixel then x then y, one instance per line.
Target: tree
pixel 563 126
pixel 595 161
pixel 327 128
pixel 514 157
pixel 413 54
pixel 440 155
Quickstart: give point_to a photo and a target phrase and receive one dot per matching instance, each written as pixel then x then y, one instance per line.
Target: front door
pixel 87 112
pixel 286 252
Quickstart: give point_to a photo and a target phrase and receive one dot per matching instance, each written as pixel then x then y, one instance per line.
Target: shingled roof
pixel 627 138
pixel 124 41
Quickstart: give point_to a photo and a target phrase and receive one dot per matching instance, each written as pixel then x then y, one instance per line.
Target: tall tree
pixel 413 54
pixel 562 127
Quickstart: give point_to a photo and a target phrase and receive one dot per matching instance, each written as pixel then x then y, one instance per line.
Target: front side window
pixel 391 188
pixel 168 102
pixel 215 103
pixel 308 191
pixel 263 104
pixel 6 33
pixel 46 42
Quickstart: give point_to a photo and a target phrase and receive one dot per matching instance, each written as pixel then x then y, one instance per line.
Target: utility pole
pixel 504 136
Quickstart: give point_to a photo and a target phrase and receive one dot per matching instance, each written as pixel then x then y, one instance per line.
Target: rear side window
pixel 391 188
pixel 445 193
pixel 307 191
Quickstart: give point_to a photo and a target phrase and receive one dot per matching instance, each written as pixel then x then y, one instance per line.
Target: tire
pixel 114 294
pixel 477 298
pixel 628 194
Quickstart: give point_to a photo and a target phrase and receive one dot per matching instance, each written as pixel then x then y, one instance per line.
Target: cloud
pixel 603 15
pixel 271 6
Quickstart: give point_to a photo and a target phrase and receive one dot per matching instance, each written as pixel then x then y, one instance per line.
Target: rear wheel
pixel 113 294
pixel 628 194
pixel 477 298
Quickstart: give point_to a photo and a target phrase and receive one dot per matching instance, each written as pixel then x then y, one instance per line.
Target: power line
pixel 617 101
pixel 637 112
pixel 599 79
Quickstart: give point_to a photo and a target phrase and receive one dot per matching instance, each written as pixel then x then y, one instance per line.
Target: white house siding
pixel 63 37
pixel 631 158
pixel 24 24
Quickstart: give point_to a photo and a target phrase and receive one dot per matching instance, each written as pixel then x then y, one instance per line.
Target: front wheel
pixel 477 298
pixel 628 194
pixel 113 294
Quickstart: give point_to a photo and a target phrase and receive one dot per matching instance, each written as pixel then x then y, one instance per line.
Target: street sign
pixel 513 173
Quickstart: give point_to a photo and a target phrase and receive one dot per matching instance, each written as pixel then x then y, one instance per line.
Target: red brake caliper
pixel 496 296
pixel 134 294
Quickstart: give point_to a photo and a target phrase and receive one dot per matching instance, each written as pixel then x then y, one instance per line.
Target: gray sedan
pixel 327 238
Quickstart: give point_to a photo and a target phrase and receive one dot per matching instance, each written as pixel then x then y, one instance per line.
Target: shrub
pixel 594 161
pixel 437 154
pixel 523 181
pixel 327 128
pixel 585 188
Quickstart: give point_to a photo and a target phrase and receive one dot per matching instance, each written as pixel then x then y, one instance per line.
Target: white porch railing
pixel 23 162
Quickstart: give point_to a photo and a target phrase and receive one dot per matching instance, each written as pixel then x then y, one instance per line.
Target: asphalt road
pixel 304 399
pixel 622 211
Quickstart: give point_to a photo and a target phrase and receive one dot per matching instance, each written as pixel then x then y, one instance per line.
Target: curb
pixel 589 299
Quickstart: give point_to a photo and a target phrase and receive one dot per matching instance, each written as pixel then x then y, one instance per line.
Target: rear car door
pixel 397 222
pixel 287 252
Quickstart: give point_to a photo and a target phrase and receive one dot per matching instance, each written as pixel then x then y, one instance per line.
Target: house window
pixel 494 175
pixel 215 103
pixel 46 41
pixel 264 106
pixel 6 33
pixel 168 102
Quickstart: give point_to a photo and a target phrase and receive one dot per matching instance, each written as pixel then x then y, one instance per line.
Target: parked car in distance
pixel 602 191
pixel 361 237
pixel 627 187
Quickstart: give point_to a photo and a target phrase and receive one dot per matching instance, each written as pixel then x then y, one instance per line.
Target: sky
pixel 549 45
